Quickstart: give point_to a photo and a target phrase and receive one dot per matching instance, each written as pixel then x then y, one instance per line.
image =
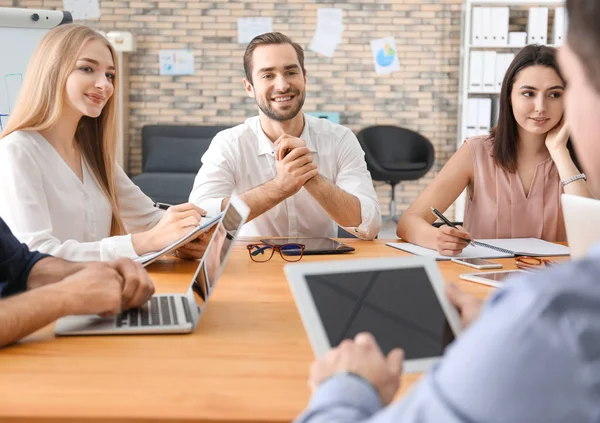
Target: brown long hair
pixel 42 99
pixel 505 134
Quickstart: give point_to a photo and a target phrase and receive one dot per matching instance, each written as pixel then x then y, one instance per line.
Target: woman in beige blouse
pixel 515 175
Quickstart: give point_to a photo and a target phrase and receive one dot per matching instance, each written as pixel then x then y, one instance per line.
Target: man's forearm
pixel 341 206
pixel 51 270
pixel 261 199
pixel 25 313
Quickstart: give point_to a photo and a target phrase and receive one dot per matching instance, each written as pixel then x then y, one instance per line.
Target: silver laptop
pixel 170 313
pixel 581 215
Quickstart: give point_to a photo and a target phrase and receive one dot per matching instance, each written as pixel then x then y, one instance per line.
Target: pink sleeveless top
pixel 498 207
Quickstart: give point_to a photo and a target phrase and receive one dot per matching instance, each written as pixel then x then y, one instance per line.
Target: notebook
pixel 492 248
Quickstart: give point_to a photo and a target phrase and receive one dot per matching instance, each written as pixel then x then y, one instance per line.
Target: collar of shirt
pixel 266 146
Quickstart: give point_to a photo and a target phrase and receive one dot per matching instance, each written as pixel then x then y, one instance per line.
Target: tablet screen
pixel 398 306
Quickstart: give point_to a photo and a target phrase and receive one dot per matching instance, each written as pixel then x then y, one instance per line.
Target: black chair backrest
pixel 175 148
pixel 395 153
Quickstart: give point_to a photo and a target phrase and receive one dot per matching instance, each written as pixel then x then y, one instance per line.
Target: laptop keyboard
pixel 159 311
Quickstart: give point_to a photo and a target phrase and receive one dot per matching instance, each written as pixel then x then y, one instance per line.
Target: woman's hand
pixel 451 241
pixel 557 137
pixel 177 221
pixel 194 249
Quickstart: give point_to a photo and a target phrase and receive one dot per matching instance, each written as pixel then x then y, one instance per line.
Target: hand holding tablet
pixel 402 302
pixel 362 358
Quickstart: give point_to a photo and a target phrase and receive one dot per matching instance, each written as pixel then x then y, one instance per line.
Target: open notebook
pixel 492 248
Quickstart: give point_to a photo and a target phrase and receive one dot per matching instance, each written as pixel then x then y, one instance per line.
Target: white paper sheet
pixel 83 9
pixel 176 62
pixel 248 28
pixel 328 33
pixel 385 55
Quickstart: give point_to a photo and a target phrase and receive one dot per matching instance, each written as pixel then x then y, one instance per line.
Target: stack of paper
pixel 329 32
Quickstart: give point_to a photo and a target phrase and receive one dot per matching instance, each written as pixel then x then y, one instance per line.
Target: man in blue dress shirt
pixel 37 289
pixel 533 355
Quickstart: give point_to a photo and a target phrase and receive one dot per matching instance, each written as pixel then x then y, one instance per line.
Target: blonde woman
pixel 62 191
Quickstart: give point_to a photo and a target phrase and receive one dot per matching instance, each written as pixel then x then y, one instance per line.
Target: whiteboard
pixel 20 32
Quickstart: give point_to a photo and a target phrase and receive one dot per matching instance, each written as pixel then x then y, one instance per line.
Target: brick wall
pixel 422 96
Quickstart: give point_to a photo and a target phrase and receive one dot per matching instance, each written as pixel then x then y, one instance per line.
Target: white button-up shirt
pixel 242 158
pixel 48 208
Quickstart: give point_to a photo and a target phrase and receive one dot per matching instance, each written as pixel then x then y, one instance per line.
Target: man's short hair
pixel 268 39
pixel 584 36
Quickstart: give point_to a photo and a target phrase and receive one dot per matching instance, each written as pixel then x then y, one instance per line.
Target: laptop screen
pixel 215 255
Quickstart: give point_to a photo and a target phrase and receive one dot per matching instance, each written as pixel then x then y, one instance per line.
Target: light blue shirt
pixel 532 356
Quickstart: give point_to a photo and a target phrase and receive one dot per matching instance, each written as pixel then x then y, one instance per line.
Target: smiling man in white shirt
pixel 300 176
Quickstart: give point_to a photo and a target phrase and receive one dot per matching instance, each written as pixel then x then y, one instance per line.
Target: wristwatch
pixel 573 178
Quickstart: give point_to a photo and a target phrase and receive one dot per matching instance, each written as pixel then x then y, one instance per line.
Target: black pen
pixel 447 222
pixel 165 206
pixel 162 206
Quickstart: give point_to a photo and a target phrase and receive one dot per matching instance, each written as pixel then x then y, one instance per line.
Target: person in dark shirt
pixel 36 289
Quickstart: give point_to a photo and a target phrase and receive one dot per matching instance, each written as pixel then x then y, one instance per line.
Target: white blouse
pixel 48 208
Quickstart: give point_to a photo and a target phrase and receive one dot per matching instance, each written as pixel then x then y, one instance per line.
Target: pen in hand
pixel 447 222
pixel 162 206
pixel 165 206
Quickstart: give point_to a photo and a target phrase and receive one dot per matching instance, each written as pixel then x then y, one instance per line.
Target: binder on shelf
pixel 484 115
pixel 472 120
pixel 558 31
pixel 477 27
pixel 470 133
pixel 517 39
pixel 542 25
pixel 499 25
pixel 476 71
pixel 566 25
pixel 495 111
pixel 503 62
pixel 499 71
pixel 532 26
pixel 489 71
pixel 486 21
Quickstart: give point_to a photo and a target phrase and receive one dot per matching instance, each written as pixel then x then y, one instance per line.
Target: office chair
pixel 395 154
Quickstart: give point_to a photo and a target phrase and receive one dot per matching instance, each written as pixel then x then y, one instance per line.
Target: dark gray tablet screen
pixel 398 306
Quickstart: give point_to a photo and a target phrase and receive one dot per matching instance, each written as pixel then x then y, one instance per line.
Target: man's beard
pixel 290 114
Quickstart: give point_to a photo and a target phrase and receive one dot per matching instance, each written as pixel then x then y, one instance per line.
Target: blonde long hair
pixel 42 99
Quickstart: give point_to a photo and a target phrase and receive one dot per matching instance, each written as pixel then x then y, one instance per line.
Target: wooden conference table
pixel 247 360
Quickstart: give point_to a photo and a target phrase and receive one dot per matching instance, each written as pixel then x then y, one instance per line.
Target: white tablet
pixel 205 224
pixel 495 279
pixel 401 301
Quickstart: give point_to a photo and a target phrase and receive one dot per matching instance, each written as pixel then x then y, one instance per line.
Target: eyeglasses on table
pixel 264 252
pixel 533 263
